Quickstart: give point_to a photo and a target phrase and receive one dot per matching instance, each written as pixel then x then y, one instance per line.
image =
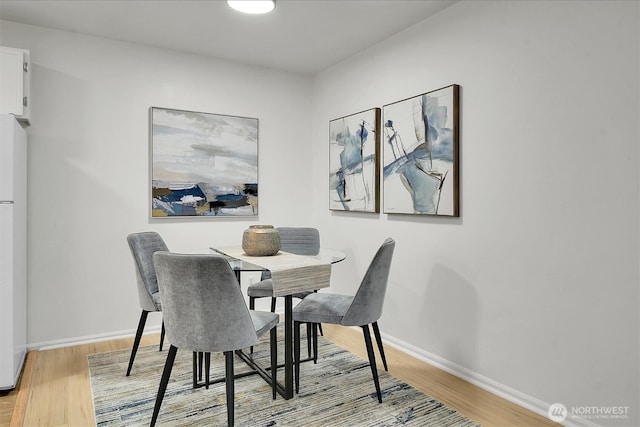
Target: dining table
pixel 291 274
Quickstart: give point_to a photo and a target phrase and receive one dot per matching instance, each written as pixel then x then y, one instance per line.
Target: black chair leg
pixel 200 359
pixel 166 373
pixel 319 324
pixel 161 336
pixel 195 369
pixel 296 353
pixel 274 360
pixel 273 304
pixel 136 341
pixel 309 338
pixel 228 363
pixel 315 342
pixel 376 332
pixel 252 306
pixel 372 360
pixel 207 366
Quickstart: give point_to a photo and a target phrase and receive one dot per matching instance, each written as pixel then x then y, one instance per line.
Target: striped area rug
pixel 338 391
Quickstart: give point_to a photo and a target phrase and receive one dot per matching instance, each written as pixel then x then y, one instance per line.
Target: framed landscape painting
pixel 354 165
pixel 420 173
pixel 202 164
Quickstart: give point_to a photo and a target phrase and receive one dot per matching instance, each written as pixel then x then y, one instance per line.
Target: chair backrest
pixel 143 246
pixel 366 306
pixel 300 240
pixel 202 305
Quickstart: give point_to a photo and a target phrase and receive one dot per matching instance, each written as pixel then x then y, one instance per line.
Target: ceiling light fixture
pixel 254 7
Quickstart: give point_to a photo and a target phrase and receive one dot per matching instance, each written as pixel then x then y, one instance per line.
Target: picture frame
pixel 202 164
pixel 421 154
pixel 354 162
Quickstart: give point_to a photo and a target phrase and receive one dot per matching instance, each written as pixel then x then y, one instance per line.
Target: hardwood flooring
pixel 55 391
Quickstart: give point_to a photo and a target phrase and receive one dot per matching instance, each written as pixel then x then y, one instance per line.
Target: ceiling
pixel 302 36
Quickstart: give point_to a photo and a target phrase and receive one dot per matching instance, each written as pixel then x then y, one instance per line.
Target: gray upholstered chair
pixel 204 311
pixel 143 246
pixel 295 240
pixel 362 309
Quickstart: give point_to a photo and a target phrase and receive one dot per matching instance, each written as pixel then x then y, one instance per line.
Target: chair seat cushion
pixel 263 321
pixel 322 308
pixel 264 288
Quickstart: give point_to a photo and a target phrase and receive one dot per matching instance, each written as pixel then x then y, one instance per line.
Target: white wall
pixel 89 174
pixel 535 286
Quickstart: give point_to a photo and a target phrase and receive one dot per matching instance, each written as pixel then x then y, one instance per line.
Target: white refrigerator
pixel 13 250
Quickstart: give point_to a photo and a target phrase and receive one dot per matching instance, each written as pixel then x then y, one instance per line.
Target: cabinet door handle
pixel 25 67
pixel 24 101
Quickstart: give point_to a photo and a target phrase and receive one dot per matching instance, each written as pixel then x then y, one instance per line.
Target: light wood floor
pixel 54 389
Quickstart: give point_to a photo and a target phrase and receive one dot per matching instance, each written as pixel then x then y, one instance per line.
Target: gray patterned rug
pixel 338 391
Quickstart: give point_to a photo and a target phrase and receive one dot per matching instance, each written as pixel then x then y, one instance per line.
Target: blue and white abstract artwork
pixel 203 165
pixel 354 171
pixel 420 174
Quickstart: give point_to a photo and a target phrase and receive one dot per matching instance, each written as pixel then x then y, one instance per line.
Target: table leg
pixel 288 346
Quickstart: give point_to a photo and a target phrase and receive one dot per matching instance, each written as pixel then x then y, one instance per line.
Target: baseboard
pixel 512 395
pixel 50 345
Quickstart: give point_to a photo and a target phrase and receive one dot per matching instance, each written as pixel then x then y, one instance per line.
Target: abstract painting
pixel 203 165
pixel 420 174
pixel 354 165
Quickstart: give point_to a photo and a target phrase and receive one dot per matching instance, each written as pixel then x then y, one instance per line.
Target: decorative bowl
pixel 261 240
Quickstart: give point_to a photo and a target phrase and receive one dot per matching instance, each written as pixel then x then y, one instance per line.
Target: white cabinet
pixel 15 83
